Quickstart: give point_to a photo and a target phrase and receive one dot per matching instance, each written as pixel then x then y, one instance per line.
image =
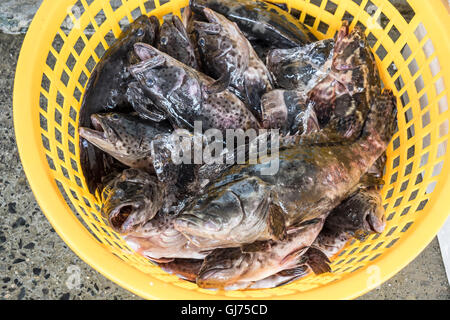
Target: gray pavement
pixel 36 264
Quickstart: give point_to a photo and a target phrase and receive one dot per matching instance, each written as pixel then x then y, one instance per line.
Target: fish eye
pixel 140 32
pixel 150 82
pixel 164 41
pixel 202 42
pixel 115 116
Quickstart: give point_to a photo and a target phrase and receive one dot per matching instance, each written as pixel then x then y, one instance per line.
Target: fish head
pixel 120 136
pixel 174 40
pixel 143 29
pixel 130 200
pixel 355 62
pixel 223 212
pixel 167 80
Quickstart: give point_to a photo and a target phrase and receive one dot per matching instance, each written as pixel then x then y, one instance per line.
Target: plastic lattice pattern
pixel 67 39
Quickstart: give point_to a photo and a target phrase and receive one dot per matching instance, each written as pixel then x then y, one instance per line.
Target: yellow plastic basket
pixel 412 52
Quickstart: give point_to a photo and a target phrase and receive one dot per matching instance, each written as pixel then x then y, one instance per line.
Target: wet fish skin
pixel 288 111
pixel 360 215
pixel 106 89
pixel 130 199
pixel 260 20
pixel 231 58
pixel 174 40
pixel 181 92
pixel 313 176
pixel 126 137
pixel 353 75
pixel 224 268
pixel 224 50
pixel 303 67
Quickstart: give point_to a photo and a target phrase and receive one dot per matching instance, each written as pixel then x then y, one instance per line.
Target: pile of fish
pixel 238 64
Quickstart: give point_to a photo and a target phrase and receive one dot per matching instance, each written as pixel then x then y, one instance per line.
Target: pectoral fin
pixel 317 261
pixel 277 222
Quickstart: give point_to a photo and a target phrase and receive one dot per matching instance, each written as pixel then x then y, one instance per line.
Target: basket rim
pixel 82 243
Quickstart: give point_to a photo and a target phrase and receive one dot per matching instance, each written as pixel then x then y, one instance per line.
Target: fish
pixel 131 199
pixel 159 241
pixel 225 268
pixel 181 92
pixel 353 78
pixel 260 20
pixel 224 50
pixel 301 68
pixel 174 40
pixel 126 137
pixel 231 58
pixel 106 90
pixel 288 111
pixel 313 178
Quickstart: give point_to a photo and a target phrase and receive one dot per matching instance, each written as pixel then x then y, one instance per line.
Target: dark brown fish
pixel 106 90
pixel 131 199
pixel 288 111
pixel 260 20
pixel 313 176
pixel 126 137
pixel 181 92
pixel 352 80
pixel 225 268
pixel 174 40
pixel 230 57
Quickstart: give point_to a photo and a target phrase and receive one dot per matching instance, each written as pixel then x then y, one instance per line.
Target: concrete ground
pixel 36 264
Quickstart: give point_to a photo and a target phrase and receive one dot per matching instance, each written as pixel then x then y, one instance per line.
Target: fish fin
pixel 257 246
pixel 297 254
pixel 220 84
pixel 282 6
pixel 277 222
pixel 299 271
pixel 317 261
pixel 161 260
pixel 371 180
pixel 253 96
pixel 299 226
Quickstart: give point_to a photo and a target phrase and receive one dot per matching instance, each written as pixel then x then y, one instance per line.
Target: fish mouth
pixel 97 136
pixel 120 217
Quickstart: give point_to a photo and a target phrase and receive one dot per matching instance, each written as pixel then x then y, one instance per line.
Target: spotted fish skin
pixel 126 137
pixel 352 80
pixel 174 40
pixel 107 90
pixel 260 20
pixel 231 58
pixel 181 92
